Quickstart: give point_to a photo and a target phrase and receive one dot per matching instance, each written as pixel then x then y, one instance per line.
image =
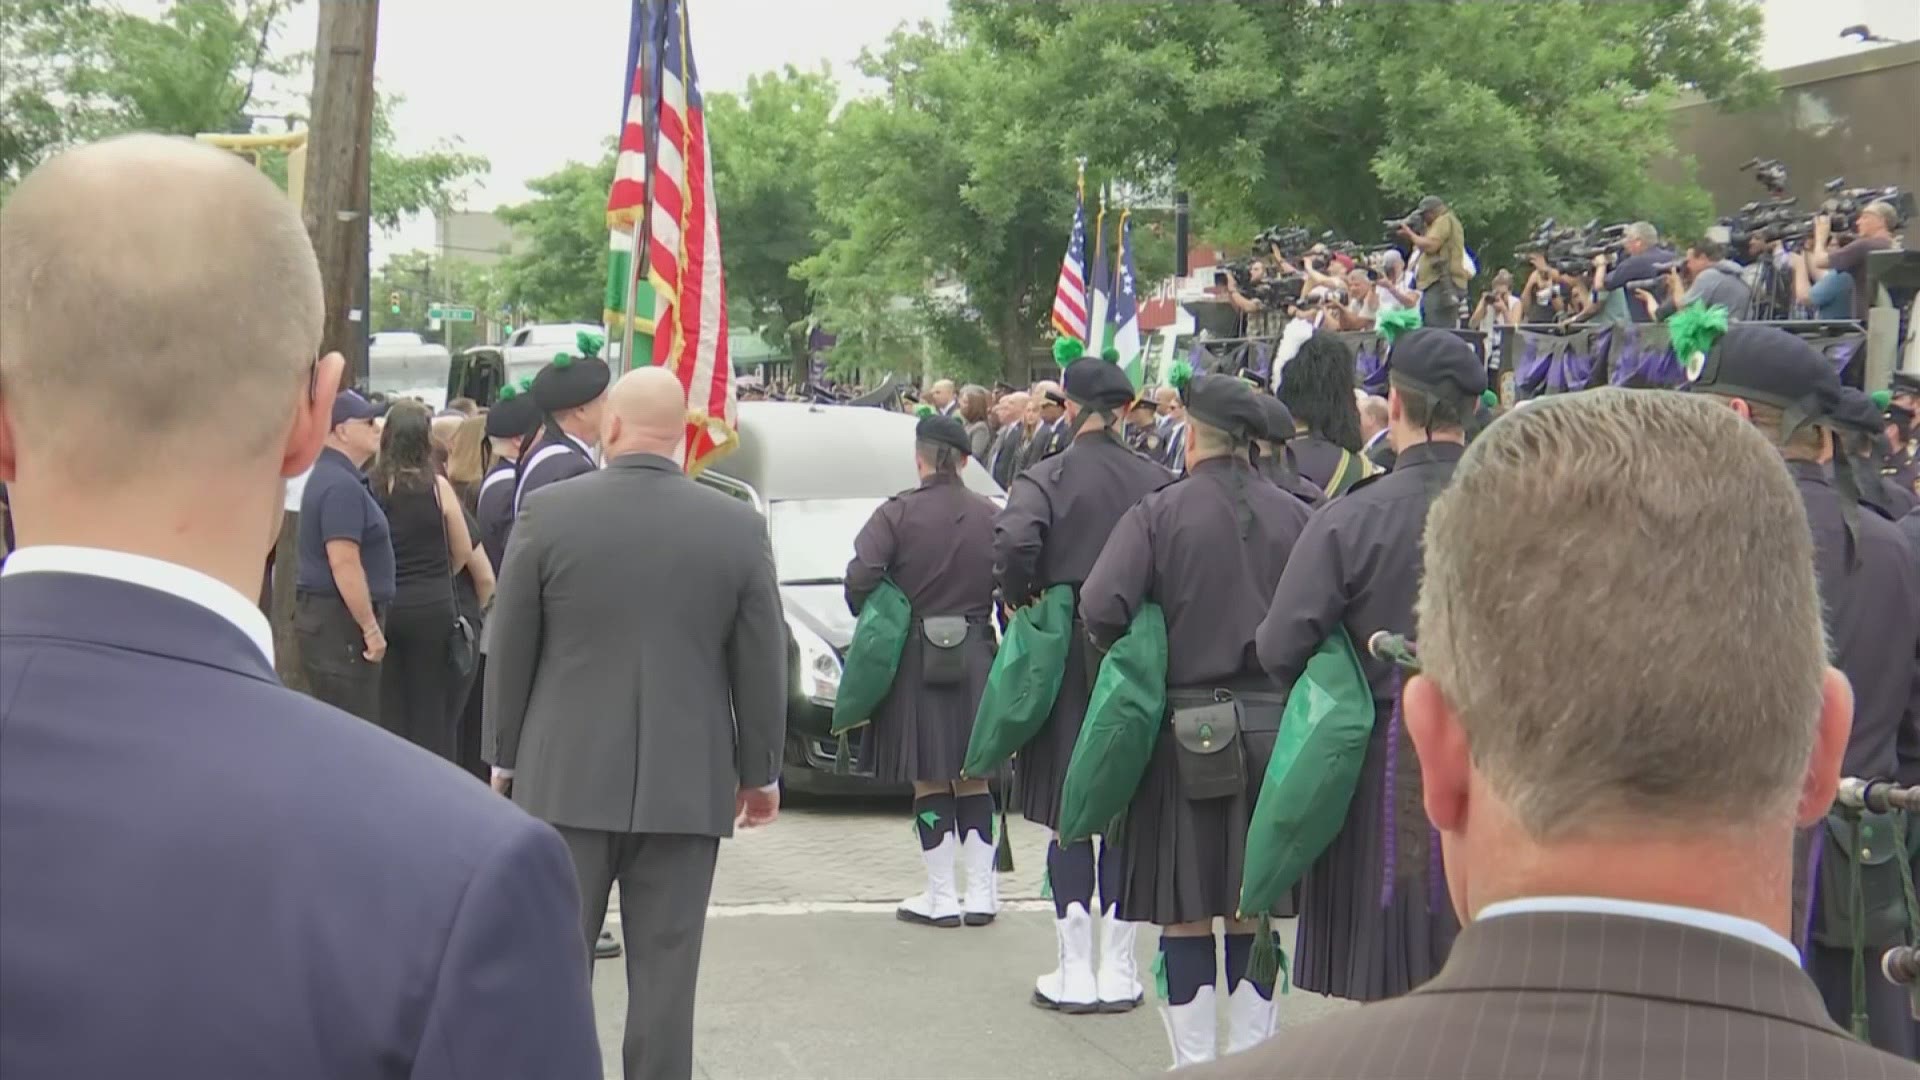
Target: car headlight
pixel 818 670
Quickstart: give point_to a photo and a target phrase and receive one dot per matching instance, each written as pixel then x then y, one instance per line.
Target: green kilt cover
pixel 873 658
pixel 1311 776
pixel 1024 681
pixel 1124 715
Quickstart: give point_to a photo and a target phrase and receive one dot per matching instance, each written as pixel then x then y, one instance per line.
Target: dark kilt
pixel 1348 945
pixel 1041 766
pixel 1180 860
pixel 920 732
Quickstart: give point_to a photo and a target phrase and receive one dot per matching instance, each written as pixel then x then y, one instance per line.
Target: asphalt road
pixel 806 973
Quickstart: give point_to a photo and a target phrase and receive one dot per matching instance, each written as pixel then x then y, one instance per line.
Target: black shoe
pixel 977 918
pixel 607 948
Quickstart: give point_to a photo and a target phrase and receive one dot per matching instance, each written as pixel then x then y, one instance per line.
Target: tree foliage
pixel 77 70
pixel 420 280
pixel 561 274
pixel 1328 115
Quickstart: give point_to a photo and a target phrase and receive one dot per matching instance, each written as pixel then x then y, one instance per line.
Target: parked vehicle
pixel 404 365
pixel 817 473
pixel 529 348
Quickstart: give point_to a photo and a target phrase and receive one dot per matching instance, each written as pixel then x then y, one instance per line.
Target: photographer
pixel 1829 294
pixel 1543 298
pixel 1715 282
pixel 1260 320
pixel 1645 260
pixel 1368 294
pixel 1443 273
pixel 1874 227
pixel 1498 307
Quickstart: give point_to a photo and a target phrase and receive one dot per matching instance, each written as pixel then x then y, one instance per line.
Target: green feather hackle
pixel 1391 324
pixel 923 411
pixel 1066 350
pixel 590 343
pixel 1110 354
pixel 1882 399
pixel 1179 376
pixel 1693 330
pixel 563 360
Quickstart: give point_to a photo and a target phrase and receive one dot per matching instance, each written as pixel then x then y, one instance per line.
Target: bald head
pixel 160 287
pixel 646 413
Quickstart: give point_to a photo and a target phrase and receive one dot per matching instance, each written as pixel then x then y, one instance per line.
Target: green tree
pixel 76 70
pixel 420 280
pixel 766 143
pixel 561 276
pixel 1328 115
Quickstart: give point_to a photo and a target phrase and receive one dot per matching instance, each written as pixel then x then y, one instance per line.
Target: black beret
pixel 568 382
pixel 1769 365
pixel 1437 363
pixel 1097 384
pixel 1280 424
pixel 1855 412
pixel 513 415
pixel 1227 403
pixel 944 430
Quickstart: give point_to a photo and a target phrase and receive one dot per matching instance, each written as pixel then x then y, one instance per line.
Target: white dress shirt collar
pixel 170 578
pixel 1718 922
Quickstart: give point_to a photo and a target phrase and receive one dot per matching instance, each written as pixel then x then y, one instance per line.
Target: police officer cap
pixel 1280 425
pixel 1226 403
pixel 569 381
pixel 944 431
pixel 1769 365
pixel 1097 384
pixel 1438 364
pixel 1905 382
pixel 514 414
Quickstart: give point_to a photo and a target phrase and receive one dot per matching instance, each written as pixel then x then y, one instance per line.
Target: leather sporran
pixel 1207 748
pixel 943 654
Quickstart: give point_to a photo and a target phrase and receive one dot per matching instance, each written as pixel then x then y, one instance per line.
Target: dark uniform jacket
pixel 554 458
pixel 1060 512
pixel 1597 996
pixel 1318 460
pixel 494 511
pixel 1208 549
pixel 1290 480
pixel 936 543
pixel 1357 564
pixel 1911 526
pixel 1046 441
pixel 1003 461
pixel 1873 626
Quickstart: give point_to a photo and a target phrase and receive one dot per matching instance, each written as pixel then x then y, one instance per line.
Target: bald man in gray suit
pixel 1618 848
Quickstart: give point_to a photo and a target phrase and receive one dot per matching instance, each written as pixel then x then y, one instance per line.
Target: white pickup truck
pixel 529 348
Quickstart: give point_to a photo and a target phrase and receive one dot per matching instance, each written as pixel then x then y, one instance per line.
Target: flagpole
pixel 642 233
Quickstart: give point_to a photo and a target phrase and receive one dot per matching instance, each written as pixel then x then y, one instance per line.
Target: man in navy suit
pixel 202 873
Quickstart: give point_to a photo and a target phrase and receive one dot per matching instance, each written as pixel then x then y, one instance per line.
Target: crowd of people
pixel 1600 852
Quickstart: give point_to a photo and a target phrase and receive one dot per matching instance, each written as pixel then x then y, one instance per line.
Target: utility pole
pixel 335 208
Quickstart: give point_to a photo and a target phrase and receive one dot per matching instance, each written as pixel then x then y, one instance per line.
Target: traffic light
pixel 393 302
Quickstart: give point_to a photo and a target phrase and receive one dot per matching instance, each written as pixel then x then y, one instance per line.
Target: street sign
pixel 450 314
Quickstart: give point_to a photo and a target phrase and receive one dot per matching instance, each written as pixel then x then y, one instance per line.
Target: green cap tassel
pixel 1003 847
pixel 1179 376
pixel 1391 324
pixel 1693 330
pixel 1269 960
pixel 1066 350
pixel 842 756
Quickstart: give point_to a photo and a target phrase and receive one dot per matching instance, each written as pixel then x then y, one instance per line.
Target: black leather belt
pixel 1260 710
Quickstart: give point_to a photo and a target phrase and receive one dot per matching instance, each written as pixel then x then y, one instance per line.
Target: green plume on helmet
pixel 1693 330
pixel 1066 350
pixel 1391 324
pixel 1179 375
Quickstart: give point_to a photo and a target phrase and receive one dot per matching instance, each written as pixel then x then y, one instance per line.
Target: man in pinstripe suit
pixel 1617 830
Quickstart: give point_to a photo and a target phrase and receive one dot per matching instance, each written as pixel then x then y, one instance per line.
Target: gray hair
pixel 1692 637
pixel 1644 232
pixel 1883 210
pixel 938 456
pixel 166 285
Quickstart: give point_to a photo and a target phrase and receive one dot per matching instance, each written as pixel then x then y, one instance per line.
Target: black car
pixel 817 473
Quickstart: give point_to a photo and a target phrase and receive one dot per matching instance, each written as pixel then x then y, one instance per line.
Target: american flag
pixel 627 199
pixel 1070 296
pixel 683 251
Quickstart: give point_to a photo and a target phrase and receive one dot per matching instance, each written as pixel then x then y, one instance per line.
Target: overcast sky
pixel 536 83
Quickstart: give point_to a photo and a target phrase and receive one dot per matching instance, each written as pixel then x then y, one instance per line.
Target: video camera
pixel 1771 174
pixel 1780 218
pixel 1845 202
pixel 1571 249
pixel 1415 221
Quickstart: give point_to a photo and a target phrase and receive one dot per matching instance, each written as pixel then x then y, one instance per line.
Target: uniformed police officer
pixel 1899 464
pixel 571 392
pixel 1860 444
pixel 1870 590
pixel 935 543
pixel 1370 926
pixel 1317 388
pixel 1058 515
pixel 1209 550
pixel 1143 429
pixel 1274 458
pixel 513 420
